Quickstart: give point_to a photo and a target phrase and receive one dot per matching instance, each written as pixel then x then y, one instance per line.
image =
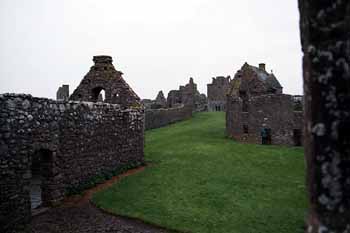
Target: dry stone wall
pixel 156 118
pixel 81 140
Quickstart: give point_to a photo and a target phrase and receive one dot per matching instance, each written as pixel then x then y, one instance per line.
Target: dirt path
pixel 77 215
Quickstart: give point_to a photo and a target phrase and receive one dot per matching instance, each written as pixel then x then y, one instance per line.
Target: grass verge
pixel 202 182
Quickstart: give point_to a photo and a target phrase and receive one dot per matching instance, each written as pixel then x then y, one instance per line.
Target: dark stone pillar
pixel 325 37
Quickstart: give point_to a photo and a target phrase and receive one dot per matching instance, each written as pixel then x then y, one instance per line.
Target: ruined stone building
pixel 63 93
pixel 50 148
pixel 159 102
pixel 179 105
pixel 257 109
pixel 158 114
pixel 187 95
pixel 104 77
pixel 217 92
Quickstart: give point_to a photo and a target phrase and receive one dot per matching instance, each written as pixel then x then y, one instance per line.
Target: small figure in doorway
pixel 264 135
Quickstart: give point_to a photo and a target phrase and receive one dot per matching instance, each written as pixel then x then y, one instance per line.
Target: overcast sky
pixel 157 44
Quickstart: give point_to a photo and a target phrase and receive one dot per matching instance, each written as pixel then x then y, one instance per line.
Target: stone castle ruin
pixel 179 105
pixel 259 112
pixel 217 91
pixel 159 102
pixel 187 95
pixel 50 148
pixel 63 93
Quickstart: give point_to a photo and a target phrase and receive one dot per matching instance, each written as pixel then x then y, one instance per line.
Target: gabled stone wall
pixel 83 140
pixel 103 76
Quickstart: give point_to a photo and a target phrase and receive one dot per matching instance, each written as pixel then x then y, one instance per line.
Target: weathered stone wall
pixel 274 111
pixel 234 117
pixel 62 93
pixel 325 38
pixel 83 140
pixel 156 118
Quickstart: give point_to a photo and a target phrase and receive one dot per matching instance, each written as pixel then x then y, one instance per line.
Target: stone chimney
pixel 103 59
pixel 262 66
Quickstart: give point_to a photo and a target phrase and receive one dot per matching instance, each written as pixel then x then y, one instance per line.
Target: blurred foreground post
pixel 325 33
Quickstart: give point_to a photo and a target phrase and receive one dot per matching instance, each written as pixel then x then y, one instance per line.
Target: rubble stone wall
pixel 274 112
pixel 83 139
pixel 156 118
pixel 325 39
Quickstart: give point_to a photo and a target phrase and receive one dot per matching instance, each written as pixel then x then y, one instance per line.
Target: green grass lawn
pixel 200 181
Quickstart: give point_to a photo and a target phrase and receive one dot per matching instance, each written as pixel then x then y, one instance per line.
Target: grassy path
pixel 201 182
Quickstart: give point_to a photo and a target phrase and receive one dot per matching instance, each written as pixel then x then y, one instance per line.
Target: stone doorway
pixel 41 172
pixel 266 136
pixel 297 137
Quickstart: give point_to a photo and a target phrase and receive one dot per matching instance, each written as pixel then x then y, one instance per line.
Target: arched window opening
pixel 41 171
pixel 98 94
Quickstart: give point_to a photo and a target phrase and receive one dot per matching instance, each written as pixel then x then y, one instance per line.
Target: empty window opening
pixel 98 95
pixel 40 175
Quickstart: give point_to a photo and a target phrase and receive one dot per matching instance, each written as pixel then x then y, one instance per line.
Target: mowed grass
pixel 199 181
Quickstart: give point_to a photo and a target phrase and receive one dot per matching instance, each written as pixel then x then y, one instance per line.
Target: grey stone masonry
pixel 156 118
pixel 258 112
pixel 50 149
pixel 325 37
pixel 78 140
pixel 103 76
pixel 63 93
pixel 217 91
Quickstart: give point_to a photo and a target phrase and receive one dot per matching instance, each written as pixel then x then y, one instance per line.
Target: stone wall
pixel 325 38
pixel 80 140
pixel 274 112
pixel 156 118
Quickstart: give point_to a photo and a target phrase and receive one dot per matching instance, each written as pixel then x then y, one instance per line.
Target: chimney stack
pixel 103 59
pixel 262 66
